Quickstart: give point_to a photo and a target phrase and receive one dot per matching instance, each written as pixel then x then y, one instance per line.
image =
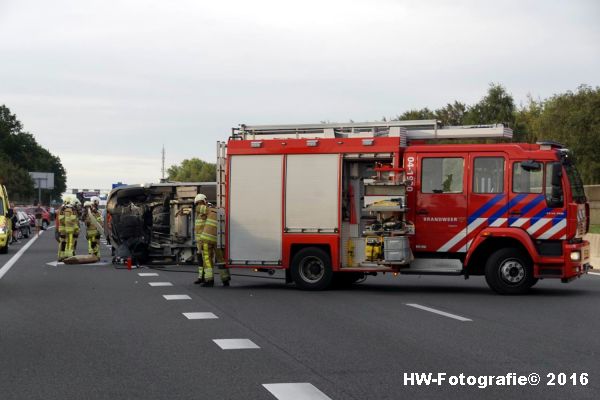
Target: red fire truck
pixel 335 202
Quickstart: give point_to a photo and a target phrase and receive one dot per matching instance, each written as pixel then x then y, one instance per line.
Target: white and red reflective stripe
pixel 498 222
pixel 520 222
pixel 461 235
pixel 554 230
pixel 538 225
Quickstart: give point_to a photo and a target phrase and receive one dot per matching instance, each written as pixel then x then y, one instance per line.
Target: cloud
pixel 126 77
pixel 97 171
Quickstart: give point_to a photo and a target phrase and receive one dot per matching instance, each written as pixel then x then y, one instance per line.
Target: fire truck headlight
pixel 575 256
pixel 2 229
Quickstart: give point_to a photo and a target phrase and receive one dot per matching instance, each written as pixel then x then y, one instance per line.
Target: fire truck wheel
pixel 509 271
pixel 311 269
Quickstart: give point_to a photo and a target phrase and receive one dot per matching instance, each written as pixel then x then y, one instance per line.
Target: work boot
pixel 226 283
pixel 208 284
pixel 199 281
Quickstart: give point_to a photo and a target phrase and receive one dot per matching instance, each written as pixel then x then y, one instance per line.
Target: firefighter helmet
pixel 199 197
pixel 69 200
pixel 87 204
pixel 96 201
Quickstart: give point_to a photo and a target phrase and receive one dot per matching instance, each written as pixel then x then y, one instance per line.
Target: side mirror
pixel 556 193
pixel 556 175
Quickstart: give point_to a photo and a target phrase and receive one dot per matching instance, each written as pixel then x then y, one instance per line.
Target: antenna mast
pixel 163 163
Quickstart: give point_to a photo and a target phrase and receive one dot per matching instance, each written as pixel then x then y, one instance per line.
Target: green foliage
pixel 18 182
pixel 496 107
pixel 19 154
pixel 571 118
pixel 193 170
pixel 424 113
pixel 452 114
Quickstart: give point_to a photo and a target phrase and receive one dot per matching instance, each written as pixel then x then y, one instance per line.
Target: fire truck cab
pixel 334 202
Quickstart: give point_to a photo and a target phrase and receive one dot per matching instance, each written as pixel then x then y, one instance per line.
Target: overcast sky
pixel 104 84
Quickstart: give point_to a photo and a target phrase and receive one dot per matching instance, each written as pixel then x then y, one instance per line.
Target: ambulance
pixel 5 220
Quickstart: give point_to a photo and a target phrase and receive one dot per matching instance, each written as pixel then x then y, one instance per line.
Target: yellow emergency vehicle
pixel 5 222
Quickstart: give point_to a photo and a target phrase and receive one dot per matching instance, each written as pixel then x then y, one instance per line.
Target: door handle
pixel 422 211
pixel 515 212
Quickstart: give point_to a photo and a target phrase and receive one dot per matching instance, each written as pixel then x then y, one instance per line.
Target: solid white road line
pixel 445 314
pixel 236 344
pixel 295 391
pixel 200 315
pixel 147 274
pixel 594 273
pixel 177 297
pixel 160 284
pixel 6 267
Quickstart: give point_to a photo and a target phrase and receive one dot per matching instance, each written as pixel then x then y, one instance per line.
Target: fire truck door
pixel 487 199
pixel 441 202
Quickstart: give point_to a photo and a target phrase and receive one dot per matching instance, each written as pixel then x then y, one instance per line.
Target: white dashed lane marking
pixel 295 391
pixel 445 314
pixel 200 315
pixel 160 284
pixel 236 344
pixel 147 274
pixel 177 297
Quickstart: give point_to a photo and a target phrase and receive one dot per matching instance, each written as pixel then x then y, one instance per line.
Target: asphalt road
pixel 97 332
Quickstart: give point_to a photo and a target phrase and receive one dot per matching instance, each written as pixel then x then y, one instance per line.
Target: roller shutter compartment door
pixel 255 208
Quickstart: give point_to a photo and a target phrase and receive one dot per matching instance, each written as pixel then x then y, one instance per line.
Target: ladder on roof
pixel 413 129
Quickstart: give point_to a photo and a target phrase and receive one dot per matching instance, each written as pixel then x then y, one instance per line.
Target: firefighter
pixel 92 235
pixel 208 237
pixel 96 203
pixel 199 220
pixel 68 228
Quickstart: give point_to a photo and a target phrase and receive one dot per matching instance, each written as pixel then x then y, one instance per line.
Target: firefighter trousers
pixel 93 240
pixel 66 246
pixel 210 252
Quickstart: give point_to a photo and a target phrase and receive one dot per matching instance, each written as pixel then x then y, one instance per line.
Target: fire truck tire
pixel 509 271
pixel 311 269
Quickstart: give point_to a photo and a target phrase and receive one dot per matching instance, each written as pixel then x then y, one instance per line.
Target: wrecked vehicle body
pixel 155 222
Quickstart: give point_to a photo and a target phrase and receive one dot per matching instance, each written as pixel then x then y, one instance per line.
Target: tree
pixel 527 121
pixel 573 119
pixel 19 154
pixel 193 170
pixel 424 113
pixel 452 114
pixel 497 107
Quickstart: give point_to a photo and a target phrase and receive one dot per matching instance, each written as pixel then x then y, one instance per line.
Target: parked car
pixel 30 216
pixel 23 224
pixel 45 216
